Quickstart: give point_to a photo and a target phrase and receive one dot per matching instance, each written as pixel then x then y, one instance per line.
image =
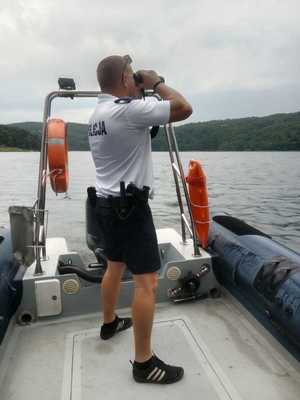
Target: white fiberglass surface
pixel 100 368
pixel 225 354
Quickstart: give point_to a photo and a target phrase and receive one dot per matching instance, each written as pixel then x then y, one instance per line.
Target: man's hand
pixel 180 108
pixel 149 78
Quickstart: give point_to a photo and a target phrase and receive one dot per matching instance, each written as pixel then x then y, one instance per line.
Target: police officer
pixel 121 149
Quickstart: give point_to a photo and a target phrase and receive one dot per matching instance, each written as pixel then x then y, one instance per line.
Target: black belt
pixel 131 196
pixel 123 207
pixel 109 202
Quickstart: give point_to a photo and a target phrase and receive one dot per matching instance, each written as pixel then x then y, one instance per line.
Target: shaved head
pixel 109 72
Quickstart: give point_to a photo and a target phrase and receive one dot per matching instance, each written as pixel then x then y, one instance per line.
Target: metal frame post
pixel 179 173
pixel 39 208
pixel 40 235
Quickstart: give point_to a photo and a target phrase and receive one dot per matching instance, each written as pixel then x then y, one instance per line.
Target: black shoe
pixel 156 372
pixel 118 325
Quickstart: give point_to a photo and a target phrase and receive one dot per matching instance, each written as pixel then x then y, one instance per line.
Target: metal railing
pixel 178 173
pixel 40 229
pixel 40 234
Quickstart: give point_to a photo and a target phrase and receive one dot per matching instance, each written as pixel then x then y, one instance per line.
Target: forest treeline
pixel 272 133
pixel 12 137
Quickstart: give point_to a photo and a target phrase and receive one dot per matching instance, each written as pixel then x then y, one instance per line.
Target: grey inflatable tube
pixel 11 274
pixel 261 269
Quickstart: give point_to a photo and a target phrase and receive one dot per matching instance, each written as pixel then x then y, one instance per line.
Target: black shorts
pixel 131 240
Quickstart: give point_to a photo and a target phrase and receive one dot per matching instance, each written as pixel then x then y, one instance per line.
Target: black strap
pixel 123 100
pixel 158 83
pixel 91 191
pixel 123 202
pixel 154 131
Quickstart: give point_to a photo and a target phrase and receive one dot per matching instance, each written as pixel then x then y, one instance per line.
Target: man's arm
pixel 180 108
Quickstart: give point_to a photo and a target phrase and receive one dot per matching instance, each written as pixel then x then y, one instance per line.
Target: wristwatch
pixel 161 80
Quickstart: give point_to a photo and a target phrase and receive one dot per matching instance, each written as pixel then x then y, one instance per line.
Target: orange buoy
pixel 196 180
pixel 58 155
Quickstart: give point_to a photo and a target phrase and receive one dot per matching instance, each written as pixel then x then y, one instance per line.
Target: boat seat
pixel 94 235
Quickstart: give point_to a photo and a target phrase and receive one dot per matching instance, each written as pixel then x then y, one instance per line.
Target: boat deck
pixel 226 354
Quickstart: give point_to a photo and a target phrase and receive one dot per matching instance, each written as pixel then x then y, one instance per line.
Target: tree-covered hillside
pixel 274 132
pixel 77 133
pixel 17 138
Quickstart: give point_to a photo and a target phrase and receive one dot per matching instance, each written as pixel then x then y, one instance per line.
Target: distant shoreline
pixel 14 149
pixel 277 132
pixel 17 150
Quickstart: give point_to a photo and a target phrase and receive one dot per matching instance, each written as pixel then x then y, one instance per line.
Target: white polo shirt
pixel 120 142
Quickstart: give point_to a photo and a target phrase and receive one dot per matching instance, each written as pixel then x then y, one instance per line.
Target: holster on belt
pixel 124 207
pixel 129 198
pixel 91 191
pixel 139 195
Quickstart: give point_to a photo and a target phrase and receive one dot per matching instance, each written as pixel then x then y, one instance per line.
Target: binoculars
pixel 138 78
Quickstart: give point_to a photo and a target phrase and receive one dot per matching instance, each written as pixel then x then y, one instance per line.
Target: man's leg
pixel 110 288
pixel 143 307
pixel 147 367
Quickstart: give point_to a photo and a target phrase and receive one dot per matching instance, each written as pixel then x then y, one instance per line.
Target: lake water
pixel 263 188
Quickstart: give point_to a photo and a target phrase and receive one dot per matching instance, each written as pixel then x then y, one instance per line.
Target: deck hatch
pixel 101 369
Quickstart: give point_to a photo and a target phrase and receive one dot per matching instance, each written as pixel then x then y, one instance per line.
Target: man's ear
pixel 125 80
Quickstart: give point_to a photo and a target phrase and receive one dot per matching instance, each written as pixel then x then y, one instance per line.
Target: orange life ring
pixel 196 180
pixel 58 155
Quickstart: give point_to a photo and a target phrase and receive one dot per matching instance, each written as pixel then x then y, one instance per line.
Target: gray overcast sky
pixel 231 58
